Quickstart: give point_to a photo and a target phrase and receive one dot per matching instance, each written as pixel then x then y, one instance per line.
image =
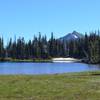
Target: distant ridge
pixel 72 36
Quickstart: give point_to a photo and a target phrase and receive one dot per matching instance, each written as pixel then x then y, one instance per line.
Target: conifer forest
pixel 87 48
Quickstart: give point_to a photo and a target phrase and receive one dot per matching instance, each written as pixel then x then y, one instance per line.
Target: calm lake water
pixel 45 68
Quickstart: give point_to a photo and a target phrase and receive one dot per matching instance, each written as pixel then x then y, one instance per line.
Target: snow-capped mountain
pixel 72 36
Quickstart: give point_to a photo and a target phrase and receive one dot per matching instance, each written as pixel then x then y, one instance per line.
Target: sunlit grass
pixel 76 86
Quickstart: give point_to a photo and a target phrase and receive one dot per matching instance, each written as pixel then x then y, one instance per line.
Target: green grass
pixel 30 60
pixel 25 60
pixel 76 86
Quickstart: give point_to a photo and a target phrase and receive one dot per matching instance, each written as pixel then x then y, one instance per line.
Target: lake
pixel 45 68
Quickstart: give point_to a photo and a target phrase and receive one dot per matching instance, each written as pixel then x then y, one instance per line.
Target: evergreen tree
pixel 2 50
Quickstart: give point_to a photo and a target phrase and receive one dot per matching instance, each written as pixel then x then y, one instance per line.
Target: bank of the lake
pixel 59 59
pixel 25 60
pixel 76 86
pixel 68 59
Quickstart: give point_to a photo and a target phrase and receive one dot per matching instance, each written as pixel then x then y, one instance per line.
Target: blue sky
pixel 28 17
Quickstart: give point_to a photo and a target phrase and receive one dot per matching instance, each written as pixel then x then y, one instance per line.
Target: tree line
pixel 87 47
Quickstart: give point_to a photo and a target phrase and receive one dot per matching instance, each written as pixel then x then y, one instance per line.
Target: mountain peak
pixel 75 32
pixel 72 36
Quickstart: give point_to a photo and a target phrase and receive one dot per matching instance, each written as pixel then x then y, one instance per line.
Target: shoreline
pixel 26 60
pixel 52 60
pixel 66 60
pixel 49 60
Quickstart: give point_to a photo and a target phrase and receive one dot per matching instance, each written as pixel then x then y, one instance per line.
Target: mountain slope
pixel 72 36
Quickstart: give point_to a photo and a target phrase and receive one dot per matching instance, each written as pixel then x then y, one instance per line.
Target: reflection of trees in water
pixel 94 66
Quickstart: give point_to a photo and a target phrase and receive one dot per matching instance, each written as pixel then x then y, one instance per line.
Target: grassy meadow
pixel 73 86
